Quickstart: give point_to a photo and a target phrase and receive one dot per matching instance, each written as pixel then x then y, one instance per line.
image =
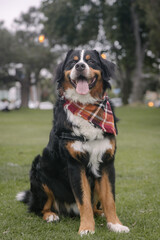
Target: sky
pixel 11 9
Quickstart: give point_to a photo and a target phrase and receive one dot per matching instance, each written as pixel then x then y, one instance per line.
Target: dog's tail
pixel 24 196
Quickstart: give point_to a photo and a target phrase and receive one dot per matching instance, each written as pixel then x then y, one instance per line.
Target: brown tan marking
pixel 98 212
pixel 76 58
pixel 66 74
pixel 67 84
pixel 88 57
pixel 72 151
pixel 47 207
pixel 97 90
pixel 111 151
pixel 86 211
pixel 96 199
pixel 106 197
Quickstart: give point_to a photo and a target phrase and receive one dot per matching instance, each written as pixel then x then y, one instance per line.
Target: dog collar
pixel 68 136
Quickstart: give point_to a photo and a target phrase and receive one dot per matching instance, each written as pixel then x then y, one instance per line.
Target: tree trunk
pixel 126 87
pixel 25 88
pixel 125 82
pixel 38 85
pixel 137 89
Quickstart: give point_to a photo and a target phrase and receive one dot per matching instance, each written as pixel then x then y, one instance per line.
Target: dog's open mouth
pixel 83 84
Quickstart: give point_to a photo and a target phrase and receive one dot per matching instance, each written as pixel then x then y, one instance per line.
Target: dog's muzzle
pixel 81 78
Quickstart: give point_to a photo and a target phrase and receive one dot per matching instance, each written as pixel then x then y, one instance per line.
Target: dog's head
pixel 84 75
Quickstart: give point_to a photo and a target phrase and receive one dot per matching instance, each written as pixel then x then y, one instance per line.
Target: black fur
pixel 56 168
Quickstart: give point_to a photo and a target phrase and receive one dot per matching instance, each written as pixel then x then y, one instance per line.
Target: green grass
pixel 24 133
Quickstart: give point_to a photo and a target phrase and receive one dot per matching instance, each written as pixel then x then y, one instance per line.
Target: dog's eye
pixel 90 61
pixel 73 62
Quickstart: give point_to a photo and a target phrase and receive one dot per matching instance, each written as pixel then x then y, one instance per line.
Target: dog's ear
pixel 60 69
pixel 59 72
pixel 108 69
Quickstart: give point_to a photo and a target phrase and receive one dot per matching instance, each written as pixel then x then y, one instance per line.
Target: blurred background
pixel 36 34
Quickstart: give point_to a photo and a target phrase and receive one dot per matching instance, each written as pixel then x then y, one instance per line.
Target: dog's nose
pixel 80 67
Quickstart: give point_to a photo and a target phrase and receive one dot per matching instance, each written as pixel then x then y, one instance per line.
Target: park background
pixel 126 32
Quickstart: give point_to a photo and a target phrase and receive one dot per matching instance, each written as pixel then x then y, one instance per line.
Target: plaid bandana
pixel 98 114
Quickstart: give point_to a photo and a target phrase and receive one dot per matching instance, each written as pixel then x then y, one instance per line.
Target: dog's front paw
pixel 50 217
pixel 86 232
pixel 117 228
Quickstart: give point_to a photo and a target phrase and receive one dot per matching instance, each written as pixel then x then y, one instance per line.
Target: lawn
pixel 24 133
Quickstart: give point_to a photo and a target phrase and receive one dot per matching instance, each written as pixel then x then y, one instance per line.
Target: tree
pixel 128 25
pixel 7 56
pixel 146 30
pixel 152 19
pixel 140 48
pixel 7 41
pixel 68 22
pixel 119 30
pixel 33 55
pixel 83 25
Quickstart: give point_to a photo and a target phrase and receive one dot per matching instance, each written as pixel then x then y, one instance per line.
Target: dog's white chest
pixel 96 149
pixel 96 146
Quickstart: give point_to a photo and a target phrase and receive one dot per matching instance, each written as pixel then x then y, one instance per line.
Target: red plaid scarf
pixel 99 114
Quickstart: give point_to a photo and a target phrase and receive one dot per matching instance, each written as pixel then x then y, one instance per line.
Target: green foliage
pixel 23 47
pixel 70 22
pixel 76 23
pixel 152 20
pixel 8 55
pixel 25 133
pixel 118 27
pixel 35 55
pixel 119 30
pixel 31 17
pixel 6 42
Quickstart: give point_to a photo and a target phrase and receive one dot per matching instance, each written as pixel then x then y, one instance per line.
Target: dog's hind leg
pixel 97 206
pixel 48 215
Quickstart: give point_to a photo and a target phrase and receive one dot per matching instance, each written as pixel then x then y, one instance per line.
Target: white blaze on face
pixel 82 56
pixel 82 61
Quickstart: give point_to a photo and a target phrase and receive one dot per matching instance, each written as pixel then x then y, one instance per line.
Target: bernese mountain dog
pixel 75 174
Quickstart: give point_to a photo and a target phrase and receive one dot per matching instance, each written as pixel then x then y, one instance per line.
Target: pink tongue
pixel 82 87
